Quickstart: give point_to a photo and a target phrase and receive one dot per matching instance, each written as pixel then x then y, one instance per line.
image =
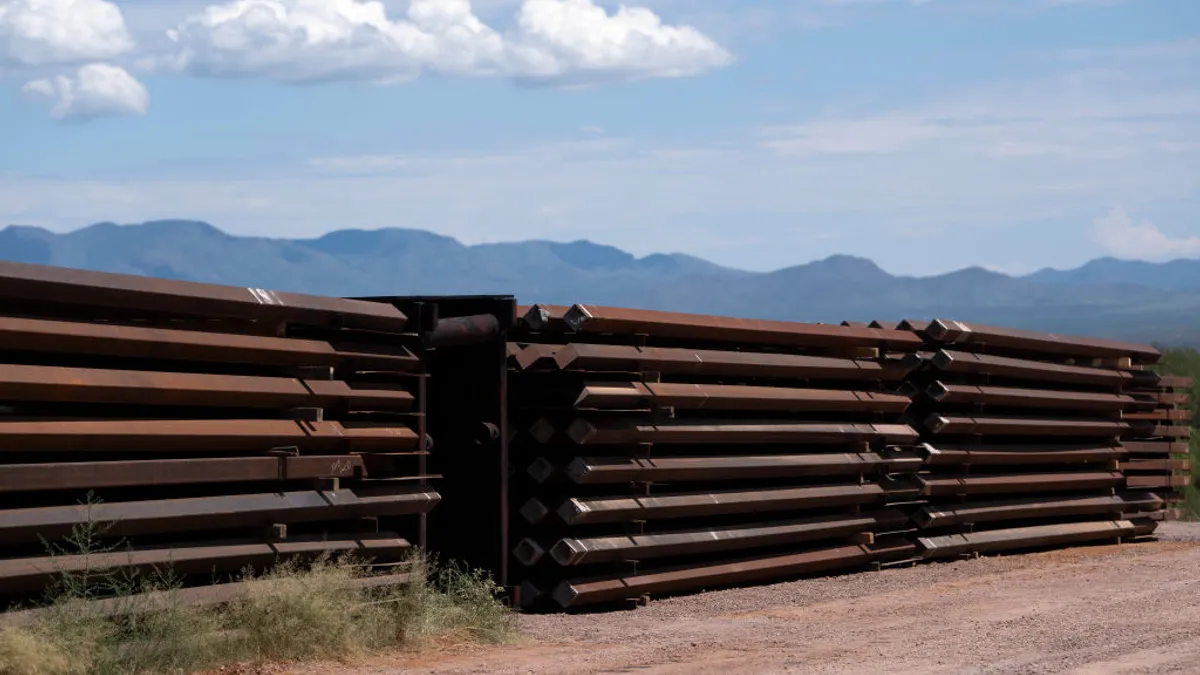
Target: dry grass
pixel 293 612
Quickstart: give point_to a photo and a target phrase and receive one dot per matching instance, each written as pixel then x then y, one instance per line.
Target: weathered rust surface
pixel 578 511
pixel 20 383
pixel 736 397
pixel 1010 397
pixel 187 298
pixel 1028 508
pixel 677 361
pixel 596 319
pixel 214 436
pixel 592 432
pixel 141 342
pixel 1018 426
pixel 1024 369
pixel 958 332
pixel 1007 484
pixel 937 454
pixel 576 593
pixel 607 470
pixel 1024 537
pixel 136 473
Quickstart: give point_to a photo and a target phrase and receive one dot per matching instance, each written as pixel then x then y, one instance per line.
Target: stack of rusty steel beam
pixel 202 427
pixel 656 453
pixel 1023 438
pixel 1157 443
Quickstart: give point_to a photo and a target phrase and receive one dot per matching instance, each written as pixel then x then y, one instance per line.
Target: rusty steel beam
pixel 1158 481
pixel 957 332
pixel 138 387
pixel 575 593
pixel 609 470
pixel 41 283
pixel 1160 416
pixel 1157 465
pixel 138 342
pixel 1175 382
pixel 675 361
pixel 25 574
pixel 1163 398
pixel 137 473
pixel 601 432
pixel 624 395
pixel 215 436
pixel 1152 430
pixel 593 550
pixel 1035 507
pixel 596 319
pixel 1016 426
pixel 122 519
pixel 1157 448
pixel 579 511
pixel 1023 369
pixel 1010 484
pixel 992 455
pixel 1026 398
pixel 537 356
pixel 1023 537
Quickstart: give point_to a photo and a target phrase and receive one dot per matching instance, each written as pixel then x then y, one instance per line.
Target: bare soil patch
pixel 1124 609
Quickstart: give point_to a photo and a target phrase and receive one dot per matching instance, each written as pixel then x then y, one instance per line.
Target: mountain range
pixel 1133 300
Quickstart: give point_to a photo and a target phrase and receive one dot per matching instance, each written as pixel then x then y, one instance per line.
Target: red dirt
pixel 1125 609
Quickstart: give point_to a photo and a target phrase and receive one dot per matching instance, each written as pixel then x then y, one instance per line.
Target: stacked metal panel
pixel 657 452
pixel 1022 439
pixel 202 427
pixel 1157 443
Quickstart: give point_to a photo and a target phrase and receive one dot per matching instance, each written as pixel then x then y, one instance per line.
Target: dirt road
pixel 1113 609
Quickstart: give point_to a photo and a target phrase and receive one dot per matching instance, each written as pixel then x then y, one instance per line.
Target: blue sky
pixel 925 134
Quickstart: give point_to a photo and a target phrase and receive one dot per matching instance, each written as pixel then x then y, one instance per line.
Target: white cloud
pixel 42 32
pixel 567 41
pixel 1122 237
pixel 95 90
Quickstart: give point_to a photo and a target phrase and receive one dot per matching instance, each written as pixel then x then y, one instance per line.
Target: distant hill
pixel 1106 298
pixel 1176 275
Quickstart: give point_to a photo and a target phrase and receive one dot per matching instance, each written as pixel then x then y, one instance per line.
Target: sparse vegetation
pixel 1186 362
pixel 295 611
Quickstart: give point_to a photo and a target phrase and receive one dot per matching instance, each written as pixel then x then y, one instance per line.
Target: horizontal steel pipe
pixel 578 511
pixel 137 473
pixel 1024 369
pixel 215 436
pixel 1023 537
pixel 997 455
pixel 574 593
pixel 1008 484
pixel 1035 507
pixel 138 387
pixel 608 470
pixel 186 298
pixel 735 397
pixel 600 432
pixel 672 361
pixel 1016 426
pixel 957 332
pixel 596 319
pixel 1009 397
pixel 122 519
pixel 464 330
pixel 138 342
pixel 593 550
pixel 25 574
